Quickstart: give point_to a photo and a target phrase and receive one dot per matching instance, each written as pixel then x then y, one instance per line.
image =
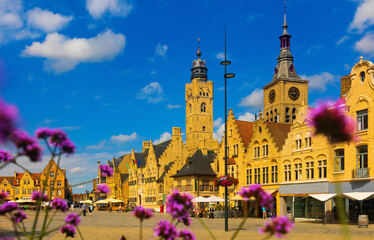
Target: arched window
pixel 287 116
pixel 275 115
pixel 267 116
pixel 271 115
pixel 203 107
pixel 203 128
pixel 190 107
pixel 293 114
pixel 362 75
pixel 201 94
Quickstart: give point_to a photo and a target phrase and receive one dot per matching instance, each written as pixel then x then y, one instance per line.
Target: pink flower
pixel 106 171
pixel 8 207
pixel 8 119
pixel 28 145
pixel 186 235
pixel 5 156
pixel 43 132
pixel 165 230
pixel 59 204
pixel 69 230
pixel 103 188
pixel 73 219
pixel 39 196
pixel 142 213
pixel 57 136
pixel 3 196
pixel 67 147
pixel 332 120
pixel 179 204
pixel 256 192
pixel 279 226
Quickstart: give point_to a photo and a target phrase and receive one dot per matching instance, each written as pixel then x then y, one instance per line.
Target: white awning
pixel 200 199
pixel 215 199
pixel 322 197
pixel 359 196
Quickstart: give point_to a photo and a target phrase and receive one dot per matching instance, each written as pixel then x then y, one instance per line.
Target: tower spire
pixel 198 53
pixel 199 69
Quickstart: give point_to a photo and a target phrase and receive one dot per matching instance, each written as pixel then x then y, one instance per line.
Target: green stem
pixel 141 230
pixel 50 219
pixel 4 165
pixel 206 227
pixel 80 234
pixel 267 237
pixel 239 228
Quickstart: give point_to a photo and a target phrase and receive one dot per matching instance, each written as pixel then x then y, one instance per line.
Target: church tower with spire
pixel 199 107
pixel 287 92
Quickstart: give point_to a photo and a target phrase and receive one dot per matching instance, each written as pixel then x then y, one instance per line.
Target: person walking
pixel 84 209
pixel 120 208
pixel 264 215
pixel 90 210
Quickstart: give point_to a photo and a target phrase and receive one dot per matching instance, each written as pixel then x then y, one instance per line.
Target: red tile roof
pixel 10 179
pixel 245 130
pixel 279 132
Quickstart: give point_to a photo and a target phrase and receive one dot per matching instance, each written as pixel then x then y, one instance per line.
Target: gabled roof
pixel 10 179
pixel 117 161
pixel 279 132
pixel 34 176
pixel 198 164
pixel 166 170
pixel 124 177
pixel 159 149
pixel 245 130
pixel 141 158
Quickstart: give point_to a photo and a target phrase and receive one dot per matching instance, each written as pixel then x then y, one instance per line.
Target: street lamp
pixel 227 75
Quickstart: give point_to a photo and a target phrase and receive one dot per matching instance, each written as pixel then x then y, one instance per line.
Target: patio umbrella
pixel 21 201
pixel 215 199
pixel 102 202
pixel 86 201
pixel 113 200
pixel 200 199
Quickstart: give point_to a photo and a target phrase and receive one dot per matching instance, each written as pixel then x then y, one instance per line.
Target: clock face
pixel 294 93
pixel 272 96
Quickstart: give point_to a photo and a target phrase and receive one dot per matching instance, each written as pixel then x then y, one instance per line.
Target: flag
pixel 128 166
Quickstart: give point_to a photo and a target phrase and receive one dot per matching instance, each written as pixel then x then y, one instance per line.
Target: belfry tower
pixel 199 107
pixel 287 91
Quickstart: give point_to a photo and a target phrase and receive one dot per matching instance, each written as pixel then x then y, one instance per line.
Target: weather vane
pixel 284 7
pixel 198 42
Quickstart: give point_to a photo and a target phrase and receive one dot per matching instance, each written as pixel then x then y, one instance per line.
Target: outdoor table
pixel 333 215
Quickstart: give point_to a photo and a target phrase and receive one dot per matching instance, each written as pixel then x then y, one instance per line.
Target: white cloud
pixel 48 121
pixel 161 50
pixel 77 170
pixel 218 134
pixel 71 128
pixel 81 186
pixel 10 14
pixel 217 123
pixel 152 92
pixel 364 16
pixel 341 40
pixel 11 20
pixel 124 138
pixel 220 56
pixel 247 117
pixel 164 137
pixel 101 145
pixel 366 44
pixel 118 8
pixel 347 67
pixel 255 99
pixel 320 81
pixel 46 21
pixel 63 54
pixel 97 97
pixel 171 106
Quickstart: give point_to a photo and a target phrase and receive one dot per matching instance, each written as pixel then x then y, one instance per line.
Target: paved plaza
pixel 105 225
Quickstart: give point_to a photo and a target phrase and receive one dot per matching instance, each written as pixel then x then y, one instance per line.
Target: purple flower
pixel 67 147
pixel 6 238
pixel 5 156
pixel 332 120
pixel 165 230
pixel 57 137
pixel 59 204
pixel 8 207
pixel 185 219
pixel 3 196
pixel 103 188
pixel 179 204
pixel 255 192
pixel 19 216
pixel 28 145
pixel 106 171
pixel 142 213
pixel 73 219
pixel 8 119
pixel 279 226
pixel 39 196
pixel 43 132
pixel 186 235
pixel 69 230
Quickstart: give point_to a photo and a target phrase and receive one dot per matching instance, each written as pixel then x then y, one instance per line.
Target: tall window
pixel 24 182
pixel 298 172
pixel 298 143
pixel 257 175
pixel 339 160
pixel 309 170
pixel 362 120
pixel 287 172
pixel 274 174
pixel 58 183
pixel 29 191
pixel 265 150
pixel 17 190
pixel 28 182
pixel 5 184
pixel 51 183
pixel 249 176
pixel 23 190
pixel 59 192
pixel 362 156
pixel 308 141
pixel 236 149
pixel 217 166
pixel 287 116
pixel 52 174
pixel 203 107
pixel 265 175
pixel 322 169
pixel 257 152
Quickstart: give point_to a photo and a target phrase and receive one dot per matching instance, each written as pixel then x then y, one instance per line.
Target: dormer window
pixel 362 75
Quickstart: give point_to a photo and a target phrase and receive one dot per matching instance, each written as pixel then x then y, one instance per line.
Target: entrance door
pixel 140 200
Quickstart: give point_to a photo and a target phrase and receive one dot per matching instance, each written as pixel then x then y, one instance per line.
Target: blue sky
pixel 112 72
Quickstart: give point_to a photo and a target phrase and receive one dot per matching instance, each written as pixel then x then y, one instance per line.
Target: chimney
pixel 176 133
pixel 145 145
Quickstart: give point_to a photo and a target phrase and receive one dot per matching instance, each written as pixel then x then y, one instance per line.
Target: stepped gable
pixel 159 149
pixel 279 132
pixel 198 164
pixel 117 161
pixel 166 170
pixel 245 130
pixel 124 177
